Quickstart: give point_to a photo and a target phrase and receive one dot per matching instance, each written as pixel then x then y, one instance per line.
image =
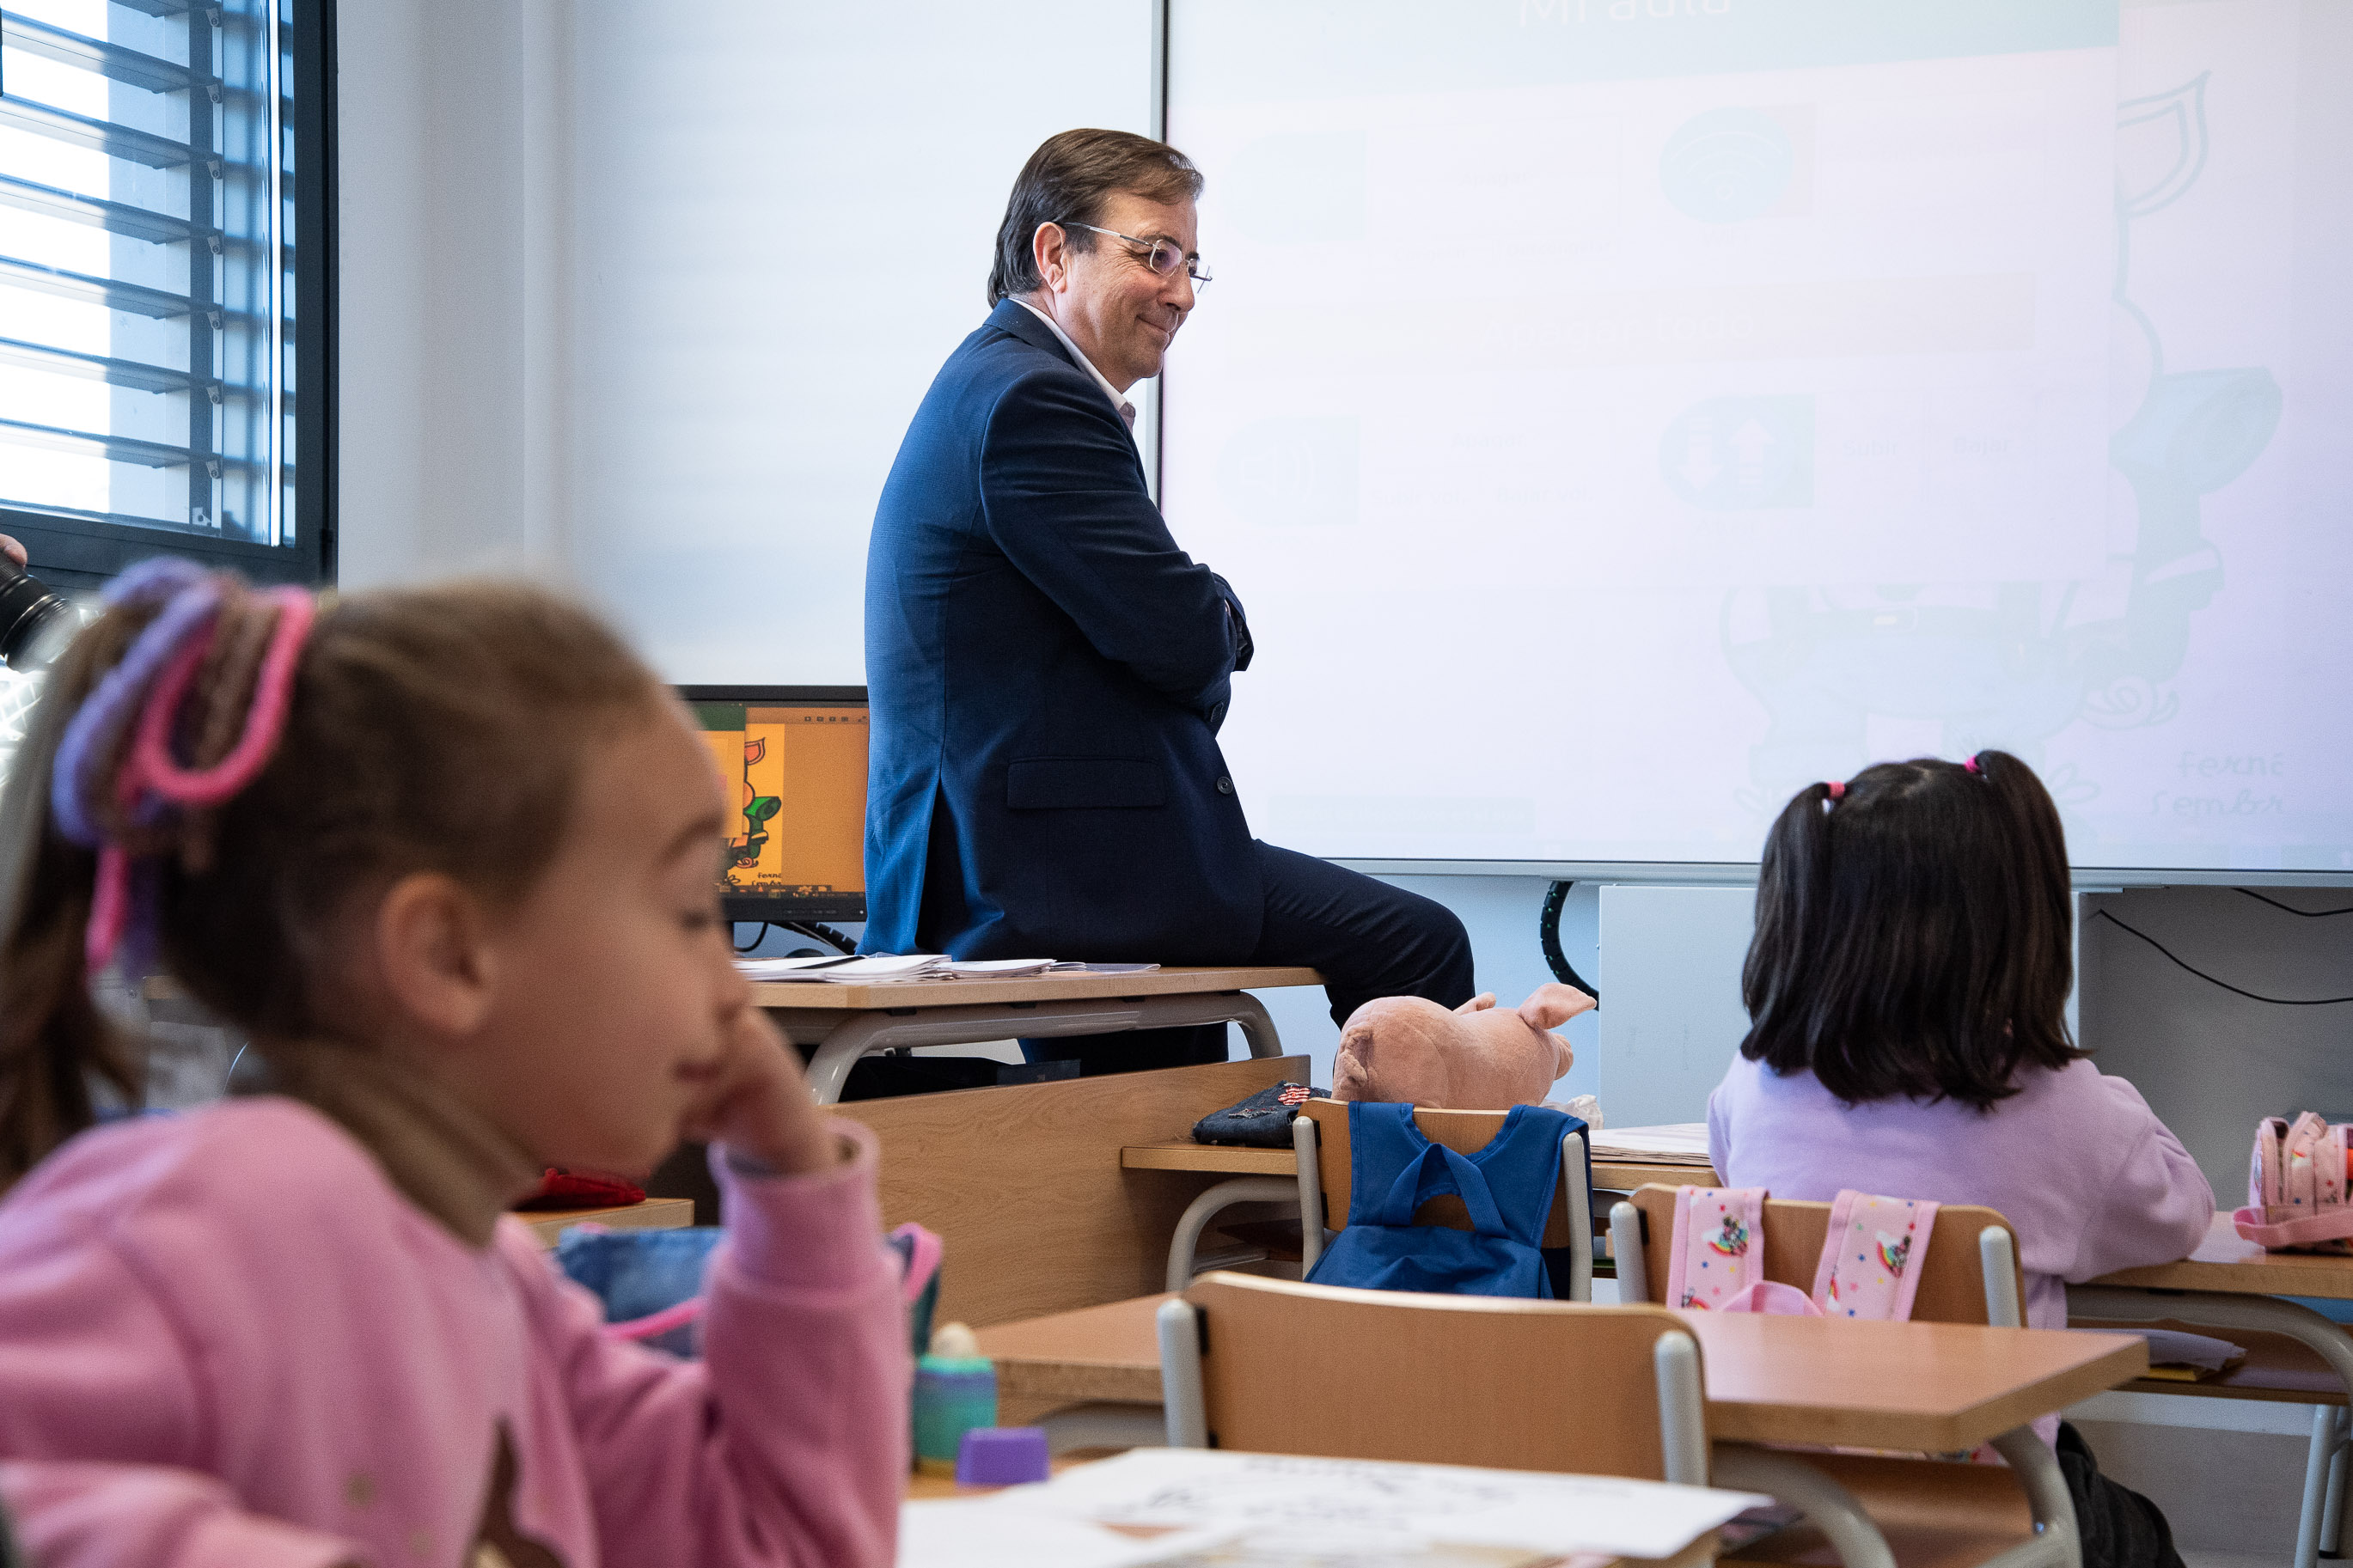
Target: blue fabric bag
pixel 1508 1187
pixel 640 1273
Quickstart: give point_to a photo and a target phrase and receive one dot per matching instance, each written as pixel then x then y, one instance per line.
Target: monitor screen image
pixel 794 759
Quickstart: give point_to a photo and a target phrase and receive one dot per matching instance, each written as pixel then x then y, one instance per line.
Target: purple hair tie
pixel 109 709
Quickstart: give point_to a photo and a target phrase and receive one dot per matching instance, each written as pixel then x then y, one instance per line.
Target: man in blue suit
pixel 1048 670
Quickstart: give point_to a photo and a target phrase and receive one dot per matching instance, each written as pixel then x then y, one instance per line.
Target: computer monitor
pixel 794 759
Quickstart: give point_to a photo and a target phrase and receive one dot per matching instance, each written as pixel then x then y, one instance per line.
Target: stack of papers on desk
pixel 886 968
pixel 879 968
pixel 1201 1507
pixel 1670 1144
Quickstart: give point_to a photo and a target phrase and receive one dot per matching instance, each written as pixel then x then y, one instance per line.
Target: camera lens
pixel 35 623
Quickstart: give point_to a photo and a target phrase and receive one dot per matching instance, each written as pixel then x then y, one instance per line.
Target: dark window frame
pixel 77 551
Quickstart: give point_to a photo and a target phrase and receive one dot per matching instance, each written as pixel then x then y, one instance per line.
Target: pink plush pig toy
pixel 1478 1058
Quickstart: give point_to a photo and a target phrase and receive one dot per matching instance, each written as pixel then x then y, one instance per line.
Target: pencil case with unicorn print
pixel 2296 1199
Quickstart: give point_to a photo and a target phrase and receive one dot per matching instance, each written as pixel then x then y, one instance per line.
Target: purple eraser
pixel 1002 1457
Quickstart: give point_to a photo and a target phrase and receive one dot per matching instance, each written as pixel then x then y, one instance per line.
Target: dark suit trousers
pixel 1369 939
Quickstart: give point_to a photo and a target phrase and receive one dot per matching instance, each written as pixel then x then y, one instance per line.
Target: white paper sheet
pixel 788 968
pixel 1272 1498
pixel 1673 1143
pixel 998 1531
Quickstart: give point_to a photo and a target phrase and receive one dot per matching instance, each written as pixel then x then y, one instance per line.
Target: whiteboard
pixel 1618 414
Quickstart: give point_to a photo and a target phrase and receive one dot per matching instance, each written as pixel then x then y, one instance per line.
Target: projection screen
pixel 1618 414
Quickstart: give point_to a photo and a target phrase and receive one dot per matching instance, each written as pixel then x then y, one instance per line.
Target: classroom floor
pixel 2232 1497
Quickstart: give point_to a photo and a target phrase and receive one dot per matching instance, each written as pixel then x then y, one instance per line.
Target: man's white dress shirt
pixel 1126 409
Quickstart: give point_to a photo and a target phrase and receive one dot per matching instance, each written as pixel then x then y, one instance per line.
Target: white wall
pixel 453 127
pixel 638 299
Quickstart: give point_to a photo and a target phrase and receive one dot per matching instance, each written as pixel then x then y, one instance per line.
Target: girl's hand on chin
pixel 761 1106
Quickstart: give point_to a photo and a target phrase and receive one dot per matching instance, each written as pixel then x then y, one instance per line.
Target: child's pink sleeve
pixel 2157 1204
pixel 92 1364
pixel 75 1514
pixel 787 1444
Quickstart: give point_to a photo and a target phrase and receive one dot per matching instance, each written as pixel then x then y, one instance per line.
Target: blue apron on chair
pixel 1508 1187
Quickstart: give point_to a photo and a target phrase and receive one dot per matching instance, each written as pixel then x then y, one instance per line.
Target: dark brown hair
pixel 1067 179
pixel 439 728
pixel 1913 937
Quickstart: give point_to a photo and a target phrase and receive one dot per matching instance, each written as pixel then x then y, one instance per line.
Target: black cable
pixel 2275 1000
pixel 1548 938
pixel 2308 914
pixel 754 942
pixel 840 940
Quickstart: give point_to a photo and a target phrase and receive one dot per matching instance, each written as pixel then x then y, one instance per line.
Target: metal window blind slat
pixel 96 135
pixel 110 60
pixel 115 217
pixel 136 297
pixel 117 448
pixel 93 367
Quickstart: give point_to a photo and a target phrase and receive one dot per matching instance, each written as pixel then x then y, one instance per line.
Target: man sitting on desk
pixel 1048 670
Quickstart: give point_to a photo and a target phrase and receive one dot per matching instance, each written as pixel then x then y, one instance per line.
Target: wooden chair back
pixel 1464 1131
pixel 1952 1278
pixel 1515 1384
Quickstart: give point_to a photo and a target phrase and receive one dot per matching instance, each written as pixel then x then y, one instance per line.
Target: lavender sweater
pixel 2077 1163
pixel 226 1340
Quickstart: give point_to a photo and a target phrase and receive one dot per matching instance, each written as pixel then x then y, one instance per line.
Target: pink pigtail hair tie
pixel 1837 791
pixel 1972 766
pixel 150 772
pixel 152 766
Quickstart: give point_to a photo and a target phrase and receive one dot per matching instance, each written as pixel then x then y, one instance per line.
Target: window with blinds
pixel 162 273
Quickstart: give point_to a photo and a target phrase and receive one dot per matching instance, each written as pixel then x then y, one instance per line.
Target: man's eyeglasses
pixel 1162 256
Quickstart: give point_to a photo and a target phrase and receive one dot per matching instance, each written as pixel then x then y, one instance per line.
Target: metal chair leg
pixel 1827 1506
pixel 2317 1461
pixel 2037 1469
pixel 2332 1510
pixel 1224 1196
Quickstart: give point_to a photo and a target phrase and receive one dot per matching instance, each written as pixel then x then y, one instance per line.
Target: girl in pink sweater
pixel 1906 991
pixel 445 857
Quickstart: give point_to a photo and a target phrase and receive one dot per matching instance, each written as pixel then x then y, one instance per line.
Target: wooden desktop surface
pixel 2226 1263
pixel 1184 1154
pixel 826 996
pixel 1934 1386
pixel 654 1214
pixel 1625 1175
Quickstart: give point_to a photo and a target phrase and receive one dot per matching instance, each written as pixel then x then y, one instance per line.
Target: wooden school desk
pixel 654 1214
pixel 846 1022
pixel 2293 1354
pixel 1917 1386
pixel 1024 1183
pixel 1932 1387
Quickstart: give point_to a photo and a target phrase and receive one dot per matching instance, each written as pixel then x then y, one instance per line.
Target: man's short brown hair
pixel 1067 181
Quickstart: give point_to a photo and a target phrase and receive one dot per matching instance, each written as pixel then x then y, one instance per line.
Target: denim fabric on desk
pixel 637 1273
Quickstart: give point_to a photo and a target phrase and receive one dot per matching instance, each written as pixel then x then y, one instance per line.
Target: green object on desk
pixel 954 1394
